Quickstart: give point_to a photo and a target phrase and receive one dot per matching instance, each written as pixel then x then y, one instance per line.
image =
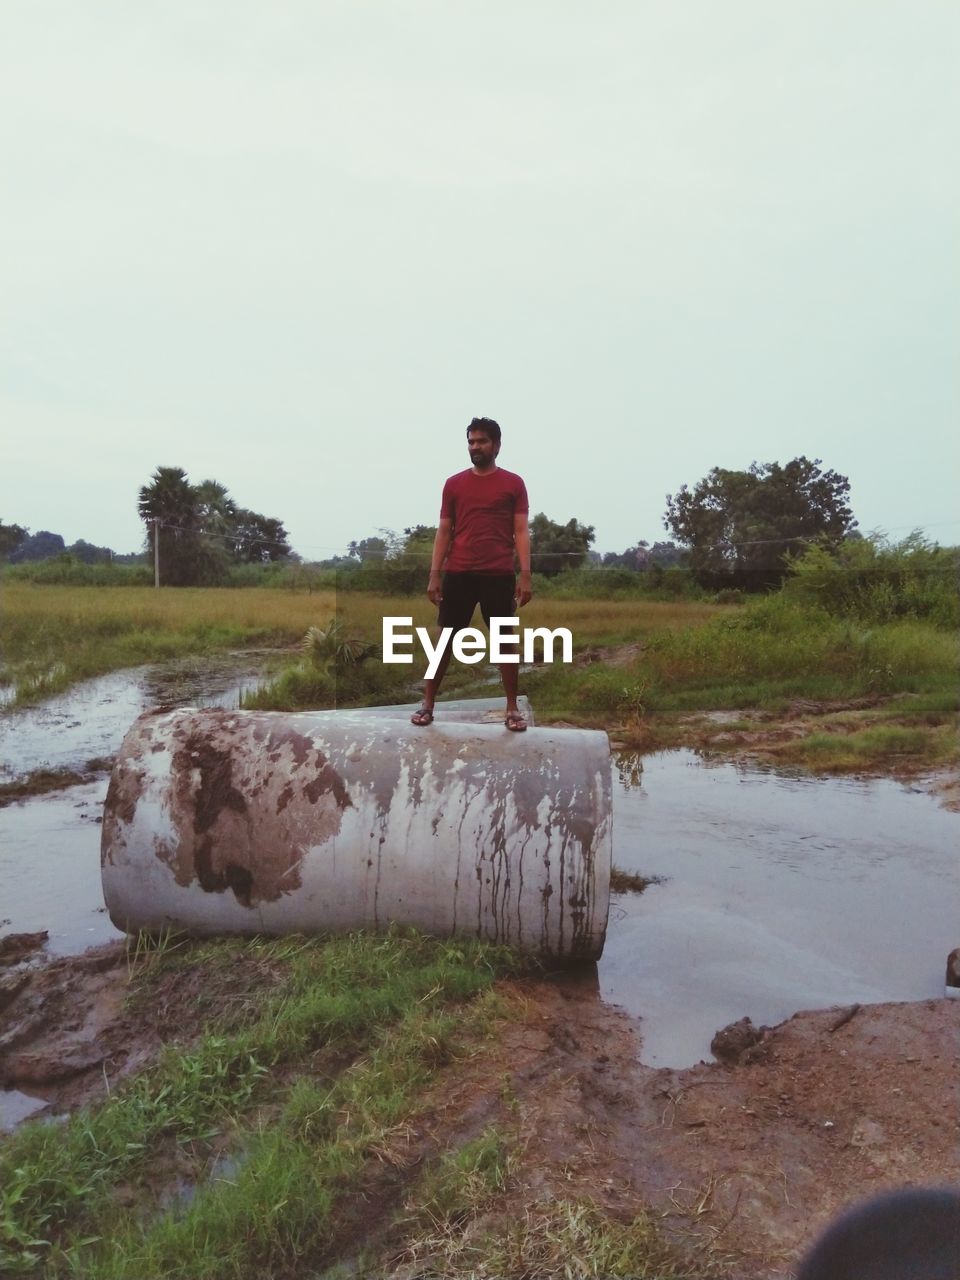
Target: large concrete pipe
pixel 264 822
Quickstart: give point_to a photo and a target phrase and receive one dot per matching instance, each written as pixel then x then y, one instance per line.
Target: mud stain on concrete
pixel 247 797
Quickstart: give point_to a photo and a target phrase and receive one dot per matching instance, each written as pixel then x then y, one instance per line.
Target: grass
pixel 848 752
pixel 465 1221
pixel 303 686
pixel 765 658
pixel 274 1141
pixel 303 1084
pixel 678 658
pixel 52 637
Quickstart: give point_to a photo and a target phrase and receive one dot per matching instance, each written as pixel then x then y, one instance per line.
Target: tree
pixel 370 550
pixel 643 557
pixel 257 539
pixel 11 536
pixel 202 530
pixel 87 553
pixel 42 545
pixel 743 526
pixel 555 547
pixel 170 507
pixel 215 509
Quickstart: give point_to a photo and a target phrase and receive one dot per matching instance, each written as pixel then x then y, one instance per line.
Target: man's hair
pixel 488 425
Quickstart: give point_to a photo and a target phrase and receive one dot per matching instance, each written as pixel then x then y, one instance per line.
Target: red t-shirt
pixel 482 508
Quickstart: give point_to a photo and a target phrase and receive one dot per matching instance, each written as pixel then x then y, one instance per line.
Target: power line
pixel 345 552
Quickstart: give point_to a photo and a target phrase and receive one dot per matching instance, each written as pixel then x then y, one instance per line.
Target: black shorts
pixel 495 593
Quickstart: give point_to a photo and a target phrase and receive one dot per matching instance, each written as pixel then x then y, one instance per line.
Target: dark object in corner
pixel 912 1234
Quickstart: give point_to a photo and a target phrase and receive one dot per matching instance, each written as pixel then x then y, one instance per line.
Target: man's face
pixel 482 450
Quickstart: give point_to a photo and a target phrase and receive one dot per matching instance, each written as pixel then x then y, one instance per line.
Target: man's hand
pixel 524 592
pixel 435 587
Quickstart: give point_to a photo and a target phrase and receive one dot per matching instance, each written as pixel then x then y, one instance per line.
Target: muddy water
pixel 50 844
pixel 89 720
pixel 779 894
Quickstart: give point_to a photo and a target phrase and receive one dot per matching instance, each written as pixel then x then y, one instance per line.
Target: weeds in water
pixel 40 782
pixel 627 882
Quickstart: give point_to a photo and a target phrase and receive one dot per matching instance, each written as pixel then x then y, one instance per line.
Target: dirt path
pixel 746 1161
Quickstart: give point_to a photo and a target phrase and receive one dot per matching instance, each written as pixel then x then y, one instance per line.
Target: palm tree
pixel 168 505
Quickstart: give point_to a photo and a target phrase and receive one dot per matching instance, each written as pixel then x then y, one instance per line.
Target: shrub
pixel 876 581
pixel 67 571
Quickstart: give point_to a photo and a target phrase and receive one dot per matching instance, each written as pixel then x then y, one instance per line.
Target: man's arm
pixel 521 540
pixel 441 545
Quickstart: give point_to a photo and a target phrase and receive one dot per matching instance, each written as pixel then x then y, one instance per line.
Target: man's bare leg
pixel 431 688
pixel 510 675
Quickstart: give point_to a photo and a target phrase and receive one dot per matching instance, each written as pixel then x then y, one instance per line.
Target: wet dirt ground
pixel 746 1159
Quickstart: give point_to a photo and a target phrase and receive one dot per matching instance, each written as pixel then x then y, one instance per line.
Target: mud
pixel 745 1162
pixel 74 1026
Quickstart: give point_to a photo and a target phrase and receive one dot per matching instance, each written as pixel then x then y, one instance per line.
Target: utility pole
pixel 156 551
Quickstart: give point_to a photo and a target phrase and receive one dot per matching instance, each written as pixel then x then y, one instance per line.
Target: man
pixel 483 522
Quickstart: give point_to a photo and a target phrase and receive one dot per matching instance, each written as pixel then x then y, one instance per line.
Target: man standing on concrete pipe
pixel 483 525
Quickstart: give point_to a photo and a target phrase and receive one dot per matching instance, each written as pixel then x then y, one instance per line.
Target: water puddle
pixel 89 720
pixel 15 1107
pixel 50 844
pixel 778 894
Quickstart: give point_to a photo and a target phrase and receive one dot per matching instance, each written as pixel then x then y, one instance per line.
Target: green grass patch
pixel 52 636
pixel 763 656
pixel 272 1080
pixel 461 1182
pixel 868 748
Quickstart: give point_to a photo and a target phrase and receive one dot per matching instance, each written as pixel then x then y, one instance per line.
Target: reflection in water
pixel 779 894
pixel 16 1107
pixel 629 767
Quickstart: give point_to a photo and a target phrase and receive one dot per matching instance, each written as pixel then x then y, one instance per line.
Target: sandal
pixel 515 722
pixel 422 716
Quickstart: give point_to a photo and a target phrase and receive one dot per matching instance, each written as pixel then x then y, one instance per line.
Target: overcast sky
pixel 296 246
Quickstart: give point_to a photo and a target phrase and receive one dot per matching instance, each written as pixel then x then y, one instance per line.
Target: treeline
pixel 199 533
pixel 738 533
pixel 19 546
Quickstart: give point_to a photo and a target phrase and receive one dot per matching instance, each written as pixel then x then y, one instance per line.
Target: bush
pixel 618 584
pixel 875 581
pixel 68 571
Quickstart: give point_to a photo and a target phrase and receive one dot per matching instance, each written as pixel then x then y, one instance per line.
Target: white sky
pixel 297 246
